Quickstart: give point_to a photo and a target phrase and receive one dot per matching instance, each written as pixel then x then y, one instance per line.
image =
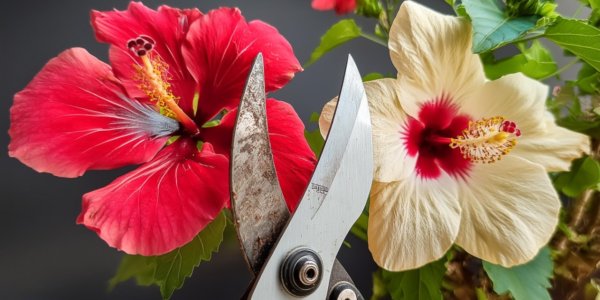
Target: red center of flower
pixel 443 140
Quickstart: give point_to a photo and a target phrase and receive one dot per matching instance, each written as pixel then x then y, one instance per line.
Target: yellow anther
pixel 154 81
pixel 487 140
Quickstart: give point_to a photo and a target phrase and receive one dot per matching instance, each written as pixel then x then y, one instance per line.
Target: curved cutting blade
pixel 258 206
pixel 335 197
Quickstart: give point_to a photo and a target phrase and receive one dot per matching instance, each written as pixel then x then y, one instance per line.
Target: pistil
pixel 155 82
pixel 487 140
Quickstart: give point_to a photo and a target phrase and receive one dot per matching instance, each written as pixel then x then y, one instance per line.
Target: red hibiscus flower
pixel 172 72
pixel 340 6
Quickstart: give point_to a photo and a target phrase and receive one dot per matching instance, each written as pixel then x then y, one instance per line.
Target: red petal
pixel 163 204
pixel 345 6
pixel 323 4
pixel 167 26
pixel 294 161
pixel 74 117
pixel 219 51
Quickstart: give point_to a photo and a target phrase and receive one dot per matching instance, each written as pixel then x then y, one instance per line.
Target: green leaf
pixel 595 4
pixel 492 27
pixel 212 123
pixel 314 117
pixel 419 284
pixel 133 266
pixel 524 282
pixel 536 62
pixel 461 11
pixel 584 174
pixel 380 290
pixel 587 79
pixel 359 229
pixel 372 76
pixel 577 37
pixel 451 2
pixel 343 31
pixel 172 268
pixel 315 139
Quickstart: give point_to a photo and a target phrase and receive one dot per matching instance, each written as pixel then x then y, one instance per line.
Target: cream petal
pixel 522 100
pixel 555 148
pixel 510 211
pixel 517 97
pixel 412 222
pixel 432 54
pixel 391 159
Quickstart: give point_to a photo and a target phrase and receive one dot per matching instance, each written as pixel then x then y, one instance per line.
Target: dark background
pixel 43 254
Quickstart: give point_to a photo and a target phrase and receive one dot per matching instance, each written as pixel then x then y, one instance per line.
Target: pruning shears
pixel 294 256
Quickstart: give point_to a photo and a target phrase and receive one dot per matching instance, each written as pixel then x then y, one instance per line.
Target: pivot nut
pixel 301 272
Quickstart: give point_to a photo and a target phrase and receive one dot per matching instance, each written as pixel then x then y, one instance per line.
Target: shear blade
pixel 259 209
pixel 335 197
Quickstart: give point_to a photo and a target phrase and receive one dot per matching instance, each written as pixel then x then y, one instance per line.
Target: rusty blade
pixel 259 209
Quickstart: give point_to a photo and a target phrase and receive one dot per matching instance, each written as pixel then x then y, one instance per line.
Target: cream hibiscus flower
pixel 458 159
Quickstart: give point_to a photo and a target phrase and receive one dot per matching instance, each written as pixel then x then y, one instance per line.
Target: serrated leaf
pixel 338 34
pixel 524 282
pixel 584 174
pixel 536 62
pixel 172 268
pixel 424 283
pixel 133 266
pixel 577 37
pixel 314 117
pixel 492 27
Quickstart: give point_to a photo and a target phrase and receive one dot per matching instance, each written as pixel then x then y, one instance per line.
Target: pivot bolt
pixel 301 272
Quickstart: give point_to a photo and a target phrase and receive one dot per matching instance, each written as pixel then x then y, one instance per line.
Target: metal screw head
pixel 300 272
pixel 347 294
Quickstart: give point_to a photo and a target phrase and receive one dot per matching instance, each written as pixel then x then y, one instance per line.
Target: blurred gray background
pixel 43 254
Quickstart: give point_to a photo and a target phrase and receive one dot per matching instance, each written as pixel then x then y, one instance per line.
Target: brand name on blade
pixel 320 188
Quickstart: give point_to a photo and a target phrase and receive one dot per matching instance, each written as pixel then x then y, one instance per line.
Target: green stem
pixel 561 70
pixel 374 39
pixel 578 10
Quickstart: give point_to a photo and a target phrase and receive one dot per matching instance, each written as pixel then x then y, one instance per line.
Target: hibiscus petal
pixel 413 221
pixel 555 149
pixel 391 159
pixel 294 161
pixel 523 100
pixel 75 117
pixel 167 26
pixel 432 54
pixel 219 51
pixel 323 4
pixel 163 204
pixel 510 211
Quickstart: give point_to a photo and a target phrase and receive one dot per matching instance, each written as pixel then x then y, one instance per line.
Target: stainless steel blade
pixel 258 206
pixel 336 194
pixel 259 210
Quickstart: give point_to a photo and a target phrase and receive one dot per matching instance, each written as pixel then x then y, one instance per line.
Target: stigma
pixel 154 80
pixel 487 140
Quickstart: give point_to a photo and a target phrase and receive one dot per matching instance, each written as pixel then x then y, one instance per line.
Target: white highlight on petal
pixel 413 221
pixel 510 211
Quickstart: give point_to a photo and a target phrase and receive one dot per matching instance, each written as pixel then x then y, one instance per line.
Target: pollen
pixel 487 140
pixel 153 76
